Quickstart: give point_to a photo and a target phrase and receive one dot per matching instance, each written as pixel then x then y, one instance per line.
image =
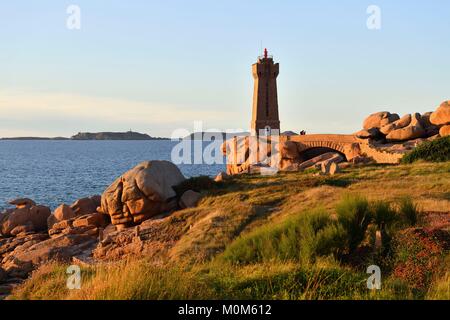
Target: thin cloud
pixel 19 107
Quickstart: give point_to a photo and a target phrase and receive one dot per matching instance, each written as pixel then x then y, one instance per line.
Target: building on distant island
pixel 265 96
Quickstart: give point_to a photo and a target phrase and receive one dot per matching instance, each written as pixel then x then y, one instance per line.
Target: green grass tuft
pixel 409 212
pixel 302 238
pixel 355 216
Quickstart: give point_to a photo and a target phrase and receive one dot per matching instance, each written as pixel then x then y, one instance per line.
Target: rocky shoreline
pixel 130 217
pixel 85 231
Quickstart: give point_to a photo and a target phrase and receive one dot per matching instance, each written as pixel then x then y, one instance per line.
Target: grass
pixel 440 288
pixel 301 238
pixel 274 237
pixel 140 280
pixel 433 151
pixel 409 211
pixel 354 215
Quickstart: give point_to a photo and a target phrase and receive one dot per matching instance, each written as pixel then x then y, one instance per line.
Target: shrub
pixel 432 151
pixel 354 216
pixel 301 238
pixel 383 214
pixel 385 219
pixel 409 211
pixel 417 255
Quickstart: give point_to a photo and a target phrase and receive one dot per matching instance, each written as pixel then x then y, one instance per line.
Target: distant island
pixel 35 138
pixel 130 135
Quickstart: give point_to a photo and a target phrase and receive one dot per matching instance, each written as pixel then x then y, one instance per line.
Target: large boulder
pixel 441 116
pixel 27 217
pixel 86 205
pixel 22 203
pixel 289 156
pixel 425 120
pixel 64 212
pixel 323 159
pixel 330 168
pixel 373 133
pixel 33 253
pixel 399 124
pixel 89 225
pixel 141 193
pixel 380 119
pixel 411 132
pixel 79 208
pixel 288 150
pixel 430 128
pixel 190 199
pixel 445 131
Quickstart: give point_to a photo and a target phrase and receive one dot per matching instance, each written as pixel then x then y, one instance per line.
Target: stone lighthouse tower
pixel 265 98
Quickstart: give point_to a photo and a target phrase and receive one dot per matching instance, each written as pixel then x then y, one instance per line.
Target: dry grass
pixel 238 208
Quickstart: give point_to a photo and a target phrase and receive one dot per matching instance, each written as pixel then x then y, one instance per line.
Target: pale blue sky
pixel 155 66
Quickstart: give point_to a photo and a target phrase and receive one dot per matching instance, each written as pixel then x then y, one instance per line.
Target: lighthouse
pixel 265 117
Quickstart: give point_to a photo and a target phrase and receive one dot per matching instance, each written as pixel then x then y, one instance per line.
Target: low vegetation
pixel 433 151
pixel 290 236
pixel 302 238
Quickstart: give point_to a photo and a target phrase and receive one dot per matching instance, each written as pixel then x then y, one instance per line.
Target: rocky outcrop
pixel 325 159
pixel 26 218
pixel 141 193
pixel 383 126
pixel 396 125
pixel 441 116
pixel 289 155
pixel 90 225
pixel 76 230
pixel 445 131
pixel 80 207
pixel 413 130
pixel 330 168
pixel 29 242
pixel 35 251
pixel 289 150
pixel 23 203
pixel 373 133
pixel 379 120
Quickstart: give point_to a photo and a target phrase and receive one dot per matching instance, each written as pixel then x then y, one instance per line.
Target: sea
pixel 54 172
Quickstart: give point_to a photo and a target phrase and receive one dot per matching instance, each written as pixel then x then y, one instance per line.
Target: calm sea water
pixel 55 172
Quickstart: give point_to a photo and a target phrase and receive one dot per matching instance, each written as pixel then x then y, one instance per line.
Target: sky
pixel 156 66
